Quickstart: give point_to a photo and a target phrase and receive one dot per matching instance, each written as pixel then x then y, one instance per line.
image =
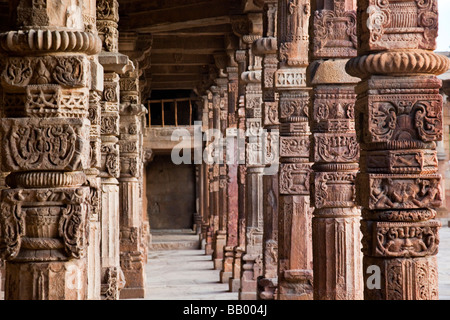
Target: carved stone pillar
pixel 232 172
pixel 147 157
pixel 131 253
pixel 204 176
pixel 94 182
pixel 215 195
pixel 44 214
pixel 267 48
pixel 137 47
pixel 197 227
pixel 252 259
pixel 235 281
pixel 336 222
pixel 92 174
pixel 209 223
pixel 398 121
pixel 221 233
pixel 295 274
pixel 114 64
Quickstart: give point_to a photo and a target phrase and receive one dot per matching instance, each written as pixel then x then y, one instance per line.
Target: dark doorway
pixel 170 194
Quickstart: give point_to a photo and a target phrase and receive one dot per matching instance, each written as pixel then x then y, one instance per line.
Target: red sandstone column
pixel 295 274
pixel 204 175
pixel 336 222
pixel 267 48
pixel 399 121
pixel 211 183
pixel 242 172
pixel 215 195
pixel 252 259
pixel 235 282
pixel 232 172
pixel 221 233
pixel 130 144
pixel 114 64
pixel 45 146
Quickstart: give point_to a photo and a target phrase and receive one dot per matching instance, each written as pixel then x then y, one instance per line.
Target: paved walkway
pixel 184 275
pixel 444 263
pixel 189 274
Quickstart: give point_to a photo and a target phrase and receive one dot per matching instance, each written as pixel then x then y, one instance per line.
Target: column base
pixel 132 293
pixel 208 250
pixel 218 263
pixel 401 278
pixel 225 276
pixel 59 280
pixel 296 285
pixel 113 282
pixel 248 296
pixel 267 288
pixel 250 274
pixel 235 284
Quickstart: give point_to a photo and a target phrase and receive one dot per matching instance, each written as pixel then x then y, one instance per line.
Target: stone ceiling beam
pixel 215 30
pixel 177 78
pixel 181 59
pixel 175 85
pixel 189 45
pixel 175 18
pixel 178 70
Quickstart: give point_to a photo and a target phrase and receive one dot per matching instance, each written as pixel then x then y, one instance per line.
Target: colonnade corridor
pixel 306 144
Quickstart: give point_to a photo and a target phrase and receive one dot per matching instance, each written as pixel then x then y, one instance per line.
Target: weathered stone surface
pixel 336 234
pixel 131 153
pixel 46 148
pixel 400 118
pixel 295 273
pixel 112 277
pixel 267 48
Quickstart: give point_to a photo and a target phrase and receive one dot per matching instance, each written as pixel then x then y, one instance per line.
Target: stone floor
pixel 179 274
pixel 444 263
pixel 182 273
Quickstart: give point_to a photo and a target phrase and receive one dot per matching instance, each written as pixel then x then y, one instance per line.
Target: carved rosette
pixel 295 266
pixel 399 112
pixel 46 148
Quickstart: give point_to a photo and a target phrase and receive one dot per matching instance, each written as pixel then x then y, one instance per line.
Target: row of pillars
pixel 349 91
pixel 71 220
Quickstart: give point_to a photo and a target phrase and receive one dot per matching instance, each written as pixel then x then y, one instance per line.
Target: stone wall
pixel 170 194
